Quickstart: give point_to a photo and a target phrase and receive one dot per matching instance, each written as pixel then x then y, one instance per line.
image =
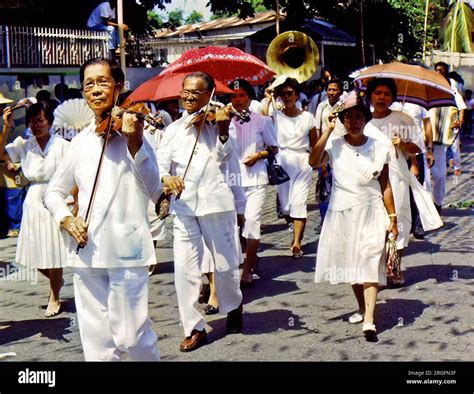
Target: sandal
pixel 297 252
pixel 211 310
pixel 52 310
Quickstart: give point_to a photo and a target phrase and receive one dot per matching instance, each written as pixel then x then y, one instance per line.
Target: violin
pixel 196 118
pixel 115 117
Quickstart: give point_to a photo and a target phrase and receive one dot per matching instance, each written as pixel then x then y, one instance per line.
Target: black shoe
pixel 211 310
pixel 234 321
pixel 419 235
pixel 438 208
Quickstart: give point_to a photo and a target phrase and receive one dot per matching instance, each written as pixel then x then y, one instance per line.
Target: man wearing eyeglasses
pixel 111 269
pixel 204 212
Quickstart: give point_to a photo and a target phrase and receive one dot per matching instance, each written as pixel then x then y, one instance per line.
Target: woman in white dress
pixel 252 140
pixel 352 241
pixel 40 243
pixel 401 135
pixel 296 133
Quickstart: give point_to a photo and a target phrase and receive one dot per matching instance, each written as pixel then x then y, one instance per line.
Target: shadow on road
pixel 271 269
pixel 258 323
pixel 54 329
pixel 397 313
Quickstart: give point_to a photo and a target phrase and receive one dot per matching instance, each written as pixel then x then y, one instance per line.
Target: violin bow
pixel 99 167
pixel 206 112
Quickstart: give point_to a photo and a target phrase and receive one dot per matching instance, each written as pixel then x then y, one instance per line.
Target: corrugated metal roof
pixel 234 21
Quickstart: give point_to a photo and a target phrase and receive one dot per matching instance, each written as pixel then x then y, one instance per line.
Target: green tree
pixel 194 17
pixel 176 17
pixel 456 31
pixel 154 19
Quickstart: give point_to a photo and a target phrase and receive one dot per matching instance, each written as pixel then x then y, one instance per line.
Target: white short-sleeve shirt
pixel 250 138
pixel 293 132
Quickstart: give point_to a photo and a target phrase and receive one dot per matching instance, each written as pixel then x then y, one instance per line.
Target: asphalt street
pixel 287 316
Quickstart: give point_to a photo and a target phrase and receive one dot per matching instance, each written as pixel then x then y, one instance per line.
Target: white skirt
pixel 41 243
pixel 351 246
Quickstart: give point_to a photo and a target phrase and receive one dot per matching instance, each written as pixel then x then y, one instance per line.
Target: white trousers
pixel 253 211
pixel 438 174
pixel 112 312
pixel 293 195
pixel 456 149
pixel 217 232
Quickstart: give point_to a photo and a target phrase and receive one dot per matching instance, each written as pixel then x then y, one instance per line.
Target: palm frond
pixel 457 28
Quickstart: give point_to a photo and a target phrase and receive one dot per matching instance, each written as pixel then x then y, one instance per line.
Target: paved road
pixel 287 316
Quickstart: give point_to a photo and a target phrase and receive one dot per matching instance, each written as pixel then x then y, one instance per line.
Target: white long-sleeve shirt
pixel 118 233
pixel 205 190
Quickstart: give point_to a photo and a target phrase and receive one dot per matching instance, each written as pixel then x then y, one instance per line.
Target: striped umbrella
pixel 415 84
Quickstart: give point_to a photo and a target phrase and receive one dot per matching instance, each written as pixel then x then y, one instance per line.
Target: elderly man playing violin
pixel 203 205
pixel 111 268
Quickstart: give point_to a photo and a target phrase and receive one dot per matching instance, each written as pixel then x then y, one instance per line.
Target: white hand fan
pixel 71 117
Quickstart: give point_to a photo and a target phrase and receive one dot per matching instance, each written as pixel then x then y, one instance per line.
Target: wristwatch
pixel 223 138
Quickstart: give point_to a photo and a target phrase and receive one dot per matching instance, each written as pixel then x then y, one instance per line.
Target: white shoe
pixel 356 318
pixel 369 329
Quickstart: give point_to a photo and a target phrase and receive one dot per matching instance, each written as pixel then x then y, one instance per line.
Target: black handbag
pixel 276 174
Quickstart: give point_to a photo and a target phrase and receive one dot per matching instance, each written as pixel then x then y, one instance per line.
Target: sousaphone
pixel 293 54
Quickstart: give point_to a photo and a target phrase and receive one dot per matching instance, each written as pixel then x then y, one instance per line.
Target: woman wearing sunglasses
pixel 296 133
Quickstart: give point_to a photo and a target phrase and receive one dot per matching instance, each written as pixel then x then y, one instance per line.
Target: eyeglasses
pixel 104 84
pixel 287 93
pixel 192 93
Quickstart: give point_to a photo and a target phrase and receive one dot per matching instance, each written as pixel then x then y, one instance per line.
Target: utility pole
pixel 425 28
pixel 277 17
pixel 121 36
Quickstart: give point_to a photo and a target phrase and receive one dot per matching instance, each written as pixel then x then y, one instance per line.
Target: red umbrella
pixel 166 87
pixel 223 63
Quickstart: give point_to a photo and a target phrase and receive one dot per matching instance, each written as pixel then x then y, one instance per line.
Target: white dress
pixel 40 243
pixel 294 144
pixel 398 123
pixel 352 239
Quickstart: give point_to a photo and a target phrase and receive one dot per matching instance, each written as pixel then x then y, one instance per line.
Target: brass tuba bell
pixel 294 54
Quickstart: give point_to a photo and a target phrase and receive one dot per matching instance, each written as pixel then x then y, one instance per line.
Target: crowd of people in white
pixel 381 174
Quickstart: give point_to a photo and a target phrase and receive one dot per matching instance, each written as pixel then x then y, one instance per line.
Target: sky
pixel 187 6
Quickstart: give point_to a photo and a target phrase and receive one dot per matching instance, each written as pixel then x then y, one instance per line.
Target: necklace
pixel 355 148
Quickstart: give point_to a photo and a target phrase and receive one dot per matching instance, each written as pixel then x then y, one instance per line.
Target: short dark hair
pixel 245 85
pixel 362 108
pixel 388 82
pixel 35 110
pixel 337 81
pixel 289 83
pixel 43 95
pixel 115 70
pixel 210 84
pixel 442 64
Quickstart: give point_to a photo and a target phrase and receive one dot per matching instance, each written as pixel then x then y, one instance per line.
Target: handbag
pixel 394 268
pixel 276 173
pixel 12 179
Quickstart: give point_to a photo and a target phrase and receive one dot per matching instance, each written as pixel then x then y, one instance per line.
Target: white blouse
pixel 293 132
pixel 37 165
pixel 250 138
pixel 355 171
